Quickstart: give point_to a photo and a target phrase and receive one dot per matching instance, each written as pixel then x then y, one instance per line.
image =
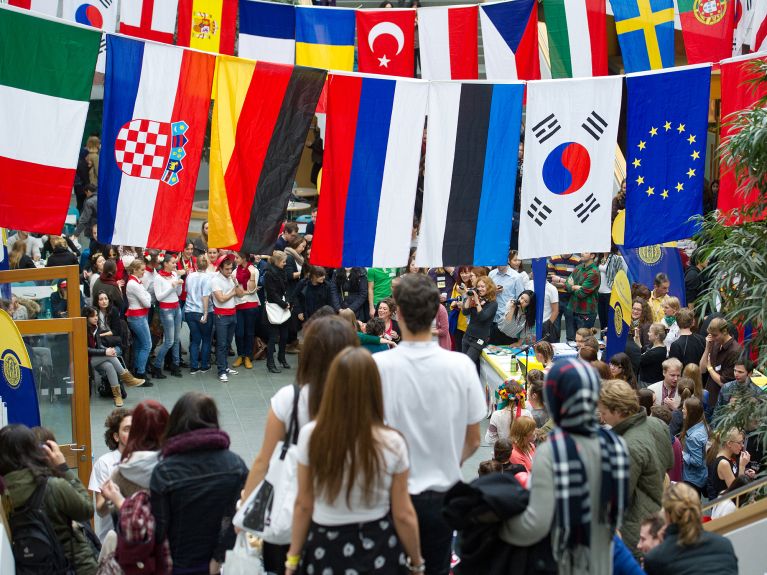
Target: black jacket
pixel 477 510
pixel 194 491
pixel 276 286
pixel 711 554
pixel 61 257
pixel 350 291
pixel 308 298
pixel 291 267
pixel 480 324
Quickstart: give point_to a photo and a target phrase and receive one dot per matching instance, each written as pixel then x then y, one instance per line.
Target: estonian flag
pixel 471 170
pixel 370 171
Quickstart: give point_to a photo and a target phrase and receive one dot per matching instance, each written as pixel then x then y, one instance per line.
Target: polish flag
pixel 386 42
pixel 448 42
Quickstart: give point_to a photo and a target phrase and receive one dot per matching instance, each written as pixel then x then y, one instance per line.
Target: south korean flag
pixel 567 181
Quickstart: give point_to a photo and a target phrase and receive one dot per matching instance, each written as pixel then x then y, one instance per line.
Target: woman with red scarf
pixel 110 284
pixel 247 310
pixel 185 265
pixel 167 288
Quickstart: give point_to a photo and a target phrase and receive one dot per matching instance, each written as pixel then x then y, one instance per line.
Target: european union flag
pixel 647 262
pixel 666 154
pixel 645 33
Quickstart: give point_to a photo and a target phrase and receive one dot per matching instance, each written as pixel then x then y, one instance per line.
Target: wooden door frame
pixel 76 327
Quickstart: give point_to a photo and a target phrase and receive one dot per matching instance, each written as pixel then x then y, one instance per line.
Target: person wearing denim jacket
pixel 694 436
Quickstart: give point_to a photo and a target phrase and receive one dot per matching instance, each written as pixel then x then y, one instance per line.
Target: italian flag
pixel 577 31
pixel 45 86
pixel 707 28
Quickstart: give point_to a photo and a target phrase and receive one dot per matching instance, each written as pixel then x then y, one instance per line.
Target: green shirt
pixel 381 279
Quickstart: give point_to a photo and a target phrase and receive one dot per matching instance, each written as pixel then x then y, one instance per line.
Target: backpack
pixel 36 549
pixel 138 551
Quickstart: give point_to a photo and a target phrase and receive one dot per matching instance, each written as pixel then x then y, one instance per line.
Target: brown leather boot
pixel 129 381
pixel 118 396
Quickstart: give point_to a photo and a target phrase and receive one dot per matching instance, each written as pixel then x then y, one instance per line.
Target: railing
pixel 743 515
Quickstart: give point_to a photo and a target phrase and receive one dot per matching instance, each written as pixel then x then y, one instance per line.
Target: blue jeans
pixel 200 336
pixel 245 333
pixel 582 320
pixel 171 328
pixel 225 327
pixel 564 299
pixel 142 342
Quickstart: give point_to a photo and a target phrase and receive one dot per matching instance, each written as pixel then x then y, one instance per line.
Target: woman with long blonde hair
pixel 18 258
pixel 353 510
pixel 686 546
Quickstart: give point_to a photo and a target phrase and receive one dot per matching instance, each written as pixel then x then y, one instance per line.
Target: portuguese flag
pixel 707 27
pixel 45 86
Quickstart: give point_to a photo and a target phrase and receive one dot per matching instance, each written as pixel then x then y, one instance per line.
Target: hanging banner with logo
pixel 619 316
pixel 17 382
pixel 646 262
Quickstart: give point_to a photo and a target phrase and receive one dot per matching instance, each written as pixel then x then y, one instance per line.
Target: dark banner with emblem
pixel 619 316
pixel 17 382
pixel 647 262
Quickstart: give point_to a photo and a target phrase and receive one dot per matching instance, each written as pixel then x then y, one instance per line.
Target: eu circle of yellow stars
pixel 655 131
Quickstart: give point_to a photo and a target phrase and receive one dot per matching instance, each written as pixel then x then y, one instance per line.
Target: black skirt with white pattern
pixel 354 549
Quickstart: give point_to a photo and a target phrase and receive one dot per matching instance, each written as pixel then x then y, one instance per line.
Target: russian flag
pixel 156 101
pixel 510 40
pixel 448 40
pixel 370 171
pixel 267 31
pixel 471 168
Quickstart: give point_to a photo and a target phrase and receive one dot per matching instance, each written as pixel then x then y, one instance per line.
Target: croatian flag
pixel 267 31
pixel 156 101
pixel 370 171
pixel 471 167
pixel 448 40
pixel 510 40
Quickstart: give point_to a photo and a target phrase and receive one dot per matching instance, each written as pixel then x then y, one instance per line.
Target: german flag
pixel 261 117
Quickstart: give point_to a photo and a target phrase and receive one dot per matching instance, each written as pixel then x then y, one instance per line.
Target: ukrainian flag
pixel 325 37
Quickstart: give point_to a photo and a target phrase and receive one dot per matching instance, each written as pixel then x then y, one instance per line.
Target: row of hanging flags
pixel 447 36
pixel 156 105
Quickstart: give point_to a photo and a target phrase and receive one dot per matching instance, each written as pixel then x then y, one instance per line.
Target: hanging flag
pixel 45 89
pixel 17 378
pixel 540 270
pixel 267 31
pixel 448 42
pixel 325 37
pixel 207 25
pixel 758 37
pixel 370 171
pixel 49 7
pixel 666 153
pixel 386 42
pixel 743 19
pixel 5 288
pixel 101 14
pixel 261 118
pixel 645 33
pixel 577 31
pixel 156 101
pixel 570 135
pixel 738 93
pixel 510 40
pixel 618 316
pixel 707 28
pixel 149 19
pixel 471 167
pixel 646 262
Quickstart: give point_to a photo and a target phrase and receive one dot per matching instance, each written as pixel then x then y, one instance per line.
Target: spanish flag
pixel 207 25
pixel 325 37
pixel 261 117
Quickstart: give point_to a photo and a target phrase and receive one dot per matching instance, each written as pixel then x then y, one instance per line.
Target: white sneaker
pixel 223 378
pixel 231 371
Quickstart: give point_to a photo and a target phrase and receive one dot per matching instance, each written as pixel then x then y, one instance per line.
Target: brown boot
pixel 129 381
pixel 118 396
pixel 238 361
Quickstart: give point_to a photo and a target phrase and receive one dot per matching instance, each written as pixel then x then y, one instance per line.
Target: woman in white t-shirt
pixel 353 509
pixel 511 404
pixel 324 338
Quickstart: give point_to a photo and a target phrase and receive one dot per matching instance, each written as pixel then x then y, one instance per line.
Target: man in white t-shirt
pixel 433 397
pixel 117 426
pixel 550 308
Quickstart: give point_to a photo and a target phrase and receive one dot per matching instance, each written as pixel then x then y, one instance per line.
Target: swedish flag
pixel 645 33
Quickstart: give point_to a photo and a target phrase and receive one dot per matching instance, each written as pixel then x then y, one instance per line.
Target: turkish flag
pixel 386 41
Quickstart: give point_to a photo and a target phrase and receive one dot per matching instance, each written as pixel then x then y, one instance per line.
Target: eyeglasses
pixel 741 443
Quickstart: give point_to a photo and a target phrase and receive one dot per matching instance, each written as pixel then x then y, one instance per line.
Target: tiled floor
pixel 242 402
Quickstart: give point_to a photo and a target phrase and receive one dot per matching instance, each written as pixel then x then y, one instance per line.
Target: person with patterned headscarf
pixel 580 477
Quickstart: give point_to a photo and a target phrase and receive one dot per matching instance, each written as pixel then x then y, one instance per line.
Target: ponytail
pixel 682 505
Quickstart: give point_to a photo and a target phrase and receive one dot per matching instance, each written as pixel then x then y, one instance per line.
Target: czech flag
pixel 325 37
pixel 261 117
pixel 510 40
pixel 156 101
pixel 448 42
pixel 370 171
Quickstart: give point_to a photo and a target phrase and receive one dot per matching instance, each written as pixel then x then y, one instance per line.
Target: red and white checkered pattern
pixel 142 148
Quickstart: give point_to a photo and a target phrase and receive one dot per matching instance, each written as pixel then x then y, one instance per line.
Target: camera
pixel 470 293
